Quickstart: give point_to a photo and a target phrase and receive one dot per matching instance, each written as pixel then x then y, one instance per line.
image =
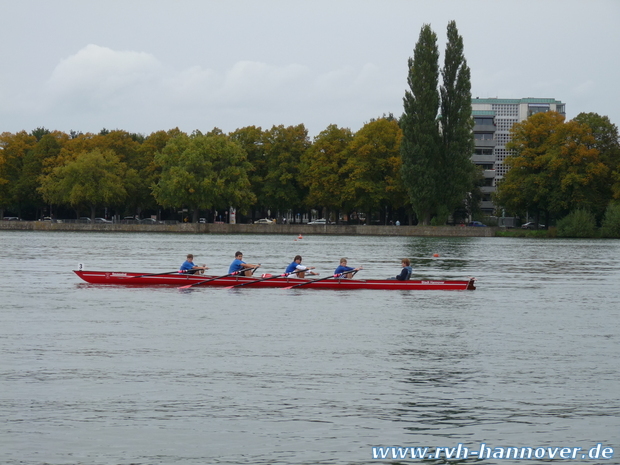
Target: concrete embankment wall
pixel 288 229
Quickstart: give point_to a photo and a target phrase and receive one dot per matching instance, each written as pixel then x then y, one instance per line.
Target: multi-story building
pixel 493 118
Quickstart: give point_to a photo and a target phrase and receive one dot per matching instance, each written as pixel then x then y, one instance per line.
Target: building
pixel 493 119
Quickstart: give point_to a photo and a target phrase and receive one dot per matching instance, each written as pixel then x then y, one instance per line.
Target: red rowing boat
pixel 167 279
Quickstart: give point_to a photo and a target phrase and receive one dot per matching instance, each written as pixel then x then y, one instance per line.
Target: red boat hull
pixel 140 279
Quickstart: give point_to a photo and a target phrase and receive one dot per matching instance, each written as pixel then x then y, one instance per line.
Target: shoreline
pixel 284 229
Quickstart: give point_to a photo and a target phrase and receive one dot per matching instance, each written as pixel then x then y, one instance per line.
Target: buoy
pixel 435 255
pixel 300 237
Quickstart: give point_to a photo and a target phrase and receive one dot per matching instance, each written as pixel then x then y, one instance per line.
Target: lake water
pixel 129 375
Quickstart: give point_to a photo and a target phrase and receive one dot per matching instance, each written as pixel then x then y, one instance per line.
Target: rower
pixel 189 267
pixel 301 269
pixel 239 265
pixel 405 273
pixel 343 269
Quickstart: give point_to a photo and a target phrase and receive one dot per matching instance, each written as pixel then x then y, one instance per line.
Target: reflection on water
pixel 112 374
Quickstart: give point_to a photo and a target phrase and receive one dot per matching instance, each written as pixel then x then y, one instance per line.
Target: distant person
pixel 344 269
pixel 301 269
pixel 397 223
pixel 239 265
pixel 405 273
pixel 189 267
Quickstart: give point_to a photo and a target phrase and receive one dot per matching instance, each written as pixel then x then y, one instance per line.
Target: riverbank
pixel 285 229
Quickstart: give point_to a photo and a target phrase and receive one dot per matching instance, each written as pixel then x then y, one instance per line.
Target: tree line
pixel 250 169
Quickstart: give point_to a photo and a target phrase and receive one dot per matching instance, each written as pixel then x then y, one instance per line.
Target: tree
pixel 607 142
pixel 13 150
pixel 36 162
pixel 458 172
pixel 321 168
pixel 250 138
pixel 554 168
pixel 92 180
pixel 421 145
pixel 372 170
pixel 610 226
pixel 146 172
pixel 203 172
pixel 284 147
pixel 578 223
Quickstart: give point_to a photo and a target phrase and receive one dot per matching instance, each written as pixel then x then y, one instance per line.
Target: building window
pixel 533 108
pixel 483 136
pixel 483 121
pixel 479 151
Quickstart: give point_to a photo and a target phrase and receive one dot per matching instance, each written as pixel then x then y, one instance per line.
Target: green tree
pixel 610 226
pixel 421 145
pixel 13 151
pixel 34 165
pixel 250 138
pixel 284 147
pixel 203 172
pixel 458 172
pixel 94 179
pixel 145 172
pixel 578 223
pixel 607 142
pixel 321 168
pixel 372 170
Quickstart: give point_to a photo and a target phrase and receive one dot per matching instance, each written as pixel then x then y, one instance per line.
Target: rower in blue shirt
pixel 301 269
pixel 344 269
pixel 239 265
pixel 189 267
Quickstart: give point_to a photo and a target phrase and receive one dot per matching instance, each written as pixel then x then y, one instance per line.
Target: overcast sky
pixel 148 65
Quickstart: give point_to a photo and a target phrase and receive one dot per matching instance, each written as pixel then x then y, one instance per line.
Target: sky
pixel 149 65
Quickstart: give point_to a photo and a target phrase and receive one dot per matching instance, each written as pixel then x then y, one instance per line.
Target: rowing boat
pixel 140 279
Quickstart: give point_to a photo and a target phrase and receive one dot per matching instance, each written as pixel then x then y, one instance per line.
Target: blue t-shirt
pixel 294 267
pixel 186 266
pixel 343 269
pixel 235 266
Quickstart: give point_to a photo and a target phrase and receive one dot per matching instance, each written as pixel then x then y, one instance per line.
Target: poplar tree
pixel 421 144
pixel 436 150
pixel 456 124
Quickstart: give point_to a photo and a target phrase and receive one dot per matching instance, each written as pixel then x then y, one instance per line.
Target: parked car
pixel 202 221
pixel 320 221
pixel 477 224
pixel 102 220
pixel 148 221
pixel 263 221
pixel 10 218
pixel 532 225
pixel 85 219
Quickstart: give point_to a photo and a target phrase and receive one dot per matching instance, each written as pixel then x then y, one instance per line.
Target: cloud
pixel 99 76
pixel 133 90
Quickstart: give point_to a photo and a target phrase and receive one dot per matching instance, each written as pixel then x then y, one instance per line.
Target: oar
pixel 218 277
pixel 152 274
pixel 283 275
pixel 322 279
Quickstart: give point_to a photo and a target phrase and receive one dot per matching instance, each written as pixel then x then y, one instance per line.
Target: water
pixel 129 375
